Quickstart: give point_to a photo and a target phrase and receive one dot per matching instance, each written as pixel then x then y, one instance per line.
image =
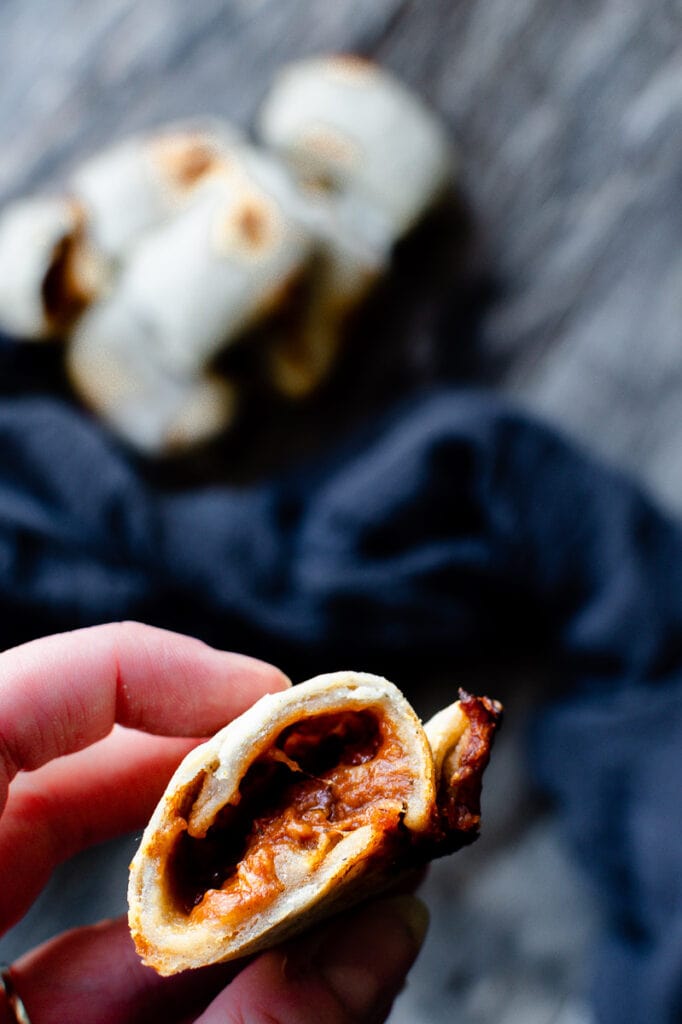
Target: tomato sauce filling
pixel 321 779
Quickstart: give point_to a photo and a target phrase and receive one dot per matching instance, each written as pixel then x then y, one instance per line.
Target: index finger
pixel 64 692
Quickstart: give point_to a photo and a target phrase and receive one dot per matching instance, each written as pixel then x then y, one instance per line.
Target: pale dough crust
pixel 166 937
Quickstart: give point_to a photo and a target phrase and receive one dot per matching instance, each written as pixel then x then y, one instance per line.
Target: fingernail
pixel 365 963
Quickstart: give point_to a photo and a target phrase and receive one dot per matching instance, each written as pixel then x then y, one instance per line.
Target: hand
pixel 92 724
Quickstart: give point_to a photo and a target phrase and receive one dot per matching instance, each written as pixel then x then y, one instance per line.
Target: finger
pixel 94 974
pixel 349 973
pixel 63 692
pixel 107 789
pixel 345 973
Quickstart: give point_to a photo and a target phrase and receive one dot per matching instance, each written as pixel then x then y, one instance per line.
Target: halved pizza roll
pixel 310 801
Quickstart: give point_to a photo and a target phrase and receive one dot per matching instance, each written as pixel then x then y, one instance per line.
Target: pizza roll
pixel 312 800
pixel 190 287
pixel 351 129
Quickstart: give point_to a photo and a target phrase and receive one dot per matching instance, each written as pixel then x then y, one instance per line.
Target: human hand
pixel 92 724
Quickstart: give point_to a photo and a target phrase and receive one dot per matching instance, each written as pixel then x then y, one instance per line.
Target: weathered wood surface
pixel 568 120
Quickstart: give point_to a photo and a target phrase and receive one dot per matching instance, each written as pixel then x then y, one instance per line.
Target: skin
pixel 92 725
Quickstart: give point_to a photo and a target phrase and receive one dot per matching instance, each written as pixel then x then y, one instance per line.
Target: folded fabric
pixel 453 527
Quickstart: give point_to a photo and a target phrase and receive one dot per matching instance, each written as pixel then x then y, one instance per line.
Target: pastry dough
pixel 311 800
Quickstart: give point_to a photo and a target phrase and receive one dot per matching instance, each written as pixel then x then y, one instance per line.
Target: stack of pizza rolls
pixel 168 249
pixel 315 798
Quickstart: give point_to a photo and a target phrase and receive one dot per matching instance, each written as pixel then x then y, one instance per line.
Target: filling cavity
pixel 320 780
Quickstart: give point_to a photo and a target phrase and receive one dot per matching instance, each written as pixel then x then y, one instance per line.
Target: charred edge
pixel 459 797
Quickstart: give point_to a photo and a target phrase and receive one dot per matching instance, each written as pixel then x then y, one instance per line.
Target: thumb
pixel 348 973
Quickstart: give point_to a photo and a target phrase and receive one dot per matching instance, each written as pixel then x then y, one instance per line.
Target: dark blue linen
pixel 451 528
